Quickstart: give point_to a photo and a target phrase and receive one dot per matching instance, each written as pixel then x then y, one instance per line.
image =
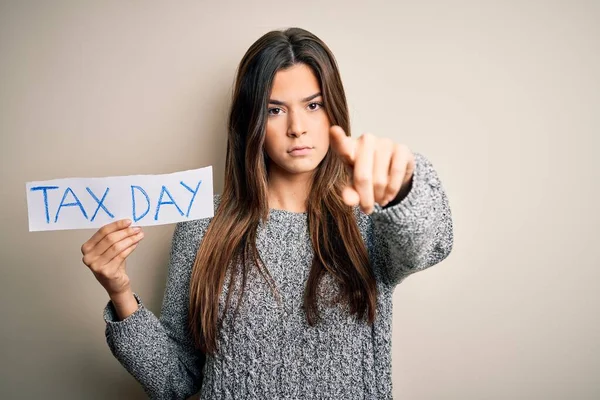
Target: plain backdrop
pixel 502 96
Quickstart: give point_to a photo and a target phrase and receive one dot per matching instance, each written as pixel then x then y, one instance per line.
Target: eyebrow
pixel 309 98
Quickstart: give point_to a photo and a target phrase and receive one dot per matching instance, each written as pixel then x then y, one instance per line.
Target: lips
pixel 299 148
pixel 300 151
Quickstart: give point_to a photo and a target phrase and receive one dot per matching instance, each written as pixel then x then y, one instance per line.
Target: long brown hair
pixel 230 239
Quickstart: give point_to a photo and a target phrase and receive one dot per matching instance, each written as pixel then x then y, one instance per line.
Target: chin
pixel 296 166
pixel 300 169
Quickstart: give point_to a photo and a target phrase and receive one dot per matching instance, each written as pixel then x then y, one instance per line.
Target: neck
pixel 289 191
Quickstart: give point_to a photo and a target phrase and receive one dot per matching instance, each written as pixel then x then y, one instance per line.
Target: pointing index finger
pixel 342 144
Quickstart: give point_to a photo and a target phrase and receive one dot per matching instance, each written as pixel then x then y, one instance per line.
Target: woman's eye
pixel 315 106
pixel 274 111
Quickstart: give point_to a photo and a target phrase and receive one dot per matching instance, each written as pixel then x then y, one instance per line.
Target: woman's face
pixel 297 134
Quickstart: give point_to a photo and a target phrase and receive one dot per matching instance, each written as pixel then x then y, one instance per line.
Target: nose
pixel 296 126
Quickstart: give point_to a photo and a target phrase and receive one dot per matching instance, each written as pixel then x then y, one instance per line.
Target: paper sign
pixel 81 203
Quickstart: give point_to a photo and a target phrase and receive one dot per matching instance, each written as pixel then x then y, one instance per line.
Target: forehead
pixel 294 83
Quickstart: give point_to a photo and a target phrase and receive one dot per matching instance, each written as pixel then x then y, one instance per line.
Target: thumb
pixel 343 145
pixel 350 196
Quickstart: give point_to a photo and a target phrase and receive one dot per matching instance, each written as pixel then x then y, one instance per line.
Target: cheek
pixel 270 137
pixel 275 145
pixel 273 130
pixel 323 139
pixel 320 129
pixel 267 148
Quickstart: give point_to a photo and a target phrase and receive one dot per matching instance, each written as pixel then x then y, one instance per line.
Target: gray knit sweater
pixel 269 351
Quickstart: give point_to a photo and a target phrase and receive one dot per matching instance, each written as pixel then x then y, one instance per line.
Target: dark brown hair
pixel 230 239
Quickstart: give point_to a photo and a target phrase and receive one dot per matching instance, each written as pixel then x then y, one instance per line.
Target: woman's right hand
pixel 105 254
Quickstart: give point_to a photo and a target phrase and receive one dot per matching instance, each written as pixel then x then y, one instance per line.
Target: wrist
pixel 121 297
pixel 124 304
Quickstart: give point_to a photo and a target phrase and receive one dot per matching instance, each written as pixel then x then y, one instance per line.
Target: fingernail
pixel 137 229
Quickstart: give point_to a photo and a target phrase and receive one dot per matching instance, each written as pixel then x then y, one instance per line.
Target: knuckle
pixel 122 245
pixel 95 267
pixel 387 144
pixel 111 237
pixel 380 183
pixel 103 231
pixel 396 169
pixel 362 179
pixel 116 248
pixel 89 261
pixel 393 189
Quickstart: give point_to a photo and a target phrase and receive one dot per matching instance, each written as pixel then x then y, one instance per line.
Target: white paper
pixel 81 203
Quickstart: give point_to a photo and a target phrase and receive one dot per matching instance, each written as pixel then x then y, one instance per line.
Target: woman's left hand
pixel 381 169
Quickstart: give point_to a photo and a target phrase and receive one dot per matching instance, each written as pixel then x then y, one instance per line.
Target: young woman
pixel 287 291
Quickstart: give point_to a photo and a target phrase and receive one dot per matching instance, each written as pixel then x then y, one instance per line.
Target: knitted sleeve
pixel 416 232
pixel 159 352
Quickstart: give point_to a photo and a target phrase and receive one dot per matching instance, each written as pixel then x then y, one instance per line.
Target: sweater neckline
pixel 279 215
pixel 285 212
